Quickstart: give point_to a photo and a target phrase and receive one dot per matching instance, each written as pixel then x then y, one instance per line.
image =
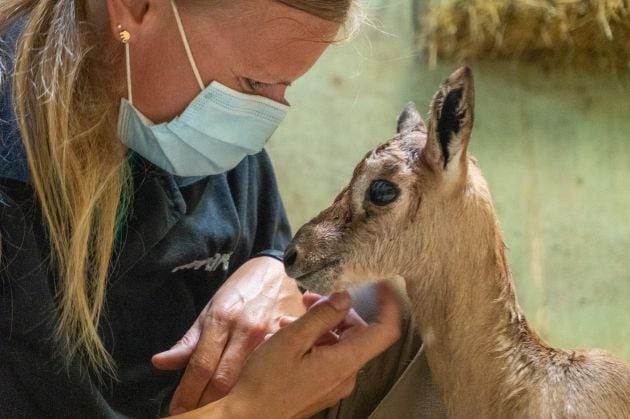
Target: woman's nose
pixel 274 92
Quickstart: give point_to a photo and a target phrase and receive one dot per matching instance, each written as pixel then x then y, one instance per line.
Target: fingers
pixel 177 357
pixel 238 349
pixel 359 347
pixel 327 338
pixel 320 319
pixel 310 298
pixel 346 388
pixel 202 365
pixel 286 320
pixel 289 376
pixel 351 322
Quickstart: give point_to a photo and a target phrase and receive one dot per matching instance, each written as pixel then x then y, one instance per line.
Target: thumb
pixel 177 357
pixel 320 319
pixel 310 298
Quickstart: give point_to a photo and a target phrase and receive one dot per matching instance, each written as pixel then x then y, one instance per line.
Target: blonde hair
pixel 77 165
pixel 348 13
pixel 78 172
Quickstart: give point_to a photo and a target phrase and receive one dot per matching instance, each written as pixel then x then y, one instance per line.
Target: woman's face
pixel 253 46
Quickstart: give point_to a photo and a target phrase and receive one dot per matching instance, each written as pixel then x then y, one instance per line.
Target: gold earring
pixel 125 36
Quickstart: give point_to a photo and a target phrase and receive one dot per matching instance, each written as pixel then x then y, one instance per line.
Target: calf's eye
pixel 382 192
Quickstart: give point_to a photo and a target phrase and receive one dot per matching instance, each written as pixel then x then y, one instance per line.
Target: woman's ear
pixel 127 14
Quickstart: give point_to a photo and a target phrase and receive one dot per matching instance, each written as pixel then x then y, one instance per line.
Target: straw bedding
pixel 584 33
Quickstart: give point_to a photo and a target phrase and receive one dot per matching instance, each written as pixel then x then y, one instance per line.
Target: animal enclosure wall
pixel 553 144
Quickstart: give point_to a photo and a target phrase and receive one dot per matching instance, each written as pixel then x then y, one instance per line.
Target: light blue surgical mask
pixel 216 131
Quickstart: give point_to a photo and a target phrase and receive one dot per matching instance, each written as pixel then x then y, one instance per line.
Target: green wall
pixel 554 146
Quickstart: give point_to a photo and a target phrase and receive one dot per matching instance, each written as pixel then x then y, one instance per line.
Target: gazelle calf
pixel 419 207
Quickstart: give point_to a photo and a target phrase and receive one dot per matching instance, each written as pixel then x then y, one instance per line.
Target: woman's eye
pixel 382 192
pixel 254 85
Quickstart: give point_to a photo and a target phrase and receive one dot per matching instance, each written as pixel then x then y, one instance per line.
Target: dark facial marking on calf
pixel 449 122
pixel 341 210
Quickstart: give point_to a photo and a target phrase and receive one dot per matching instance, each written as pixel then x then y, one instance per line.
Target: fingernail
pixel 340 300
pixel 179 410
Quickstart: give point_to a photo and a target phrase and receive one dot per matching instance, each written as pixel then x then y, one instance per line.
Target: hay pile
pixel 582 33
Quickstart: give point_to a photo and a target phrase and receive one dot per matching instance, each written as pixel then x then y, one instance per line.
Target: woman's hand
pixel 249 306
pixel 351 321
pixel 288 376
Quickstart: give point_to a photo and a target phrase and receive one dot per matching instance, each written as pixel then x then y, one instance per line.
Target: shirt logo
pixel 211 264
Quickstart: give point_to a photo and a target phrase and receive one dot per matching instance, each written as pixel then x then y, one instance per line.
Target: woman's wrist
pixel 220 409
pixel 233 406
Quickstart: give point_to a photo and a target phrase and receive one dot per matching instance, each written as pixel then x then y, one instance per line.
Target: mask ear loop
pixel 182 33
pixel 125 36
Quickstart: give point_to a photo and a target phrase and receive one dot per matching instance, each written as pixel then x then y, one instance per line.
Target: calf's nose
pixel 290 256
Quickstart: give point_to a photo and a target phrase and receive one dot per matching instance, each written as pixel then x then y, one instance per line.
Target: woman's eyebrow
pixel 266 77
pixel 268 82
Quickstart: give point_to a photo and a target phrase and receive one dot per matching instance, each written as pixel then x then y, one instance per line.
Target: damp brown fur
pixel 441 234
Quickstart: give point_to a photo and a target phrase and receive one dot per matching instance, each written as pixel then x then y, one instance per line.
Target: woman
pixel 139 210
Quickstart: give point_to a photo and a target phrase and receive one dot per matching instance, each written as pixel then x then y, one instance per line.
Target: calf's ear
pixel 410 120
pixel 450 125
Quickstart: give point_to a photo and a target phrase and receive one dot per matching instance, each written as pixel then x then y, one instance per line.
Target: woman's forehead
pixel 279 41
pixel 256 17
pixel 276 42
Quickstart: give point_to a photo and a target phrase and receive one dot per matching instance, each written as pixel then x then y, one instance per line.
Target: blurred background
pixel 552 135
